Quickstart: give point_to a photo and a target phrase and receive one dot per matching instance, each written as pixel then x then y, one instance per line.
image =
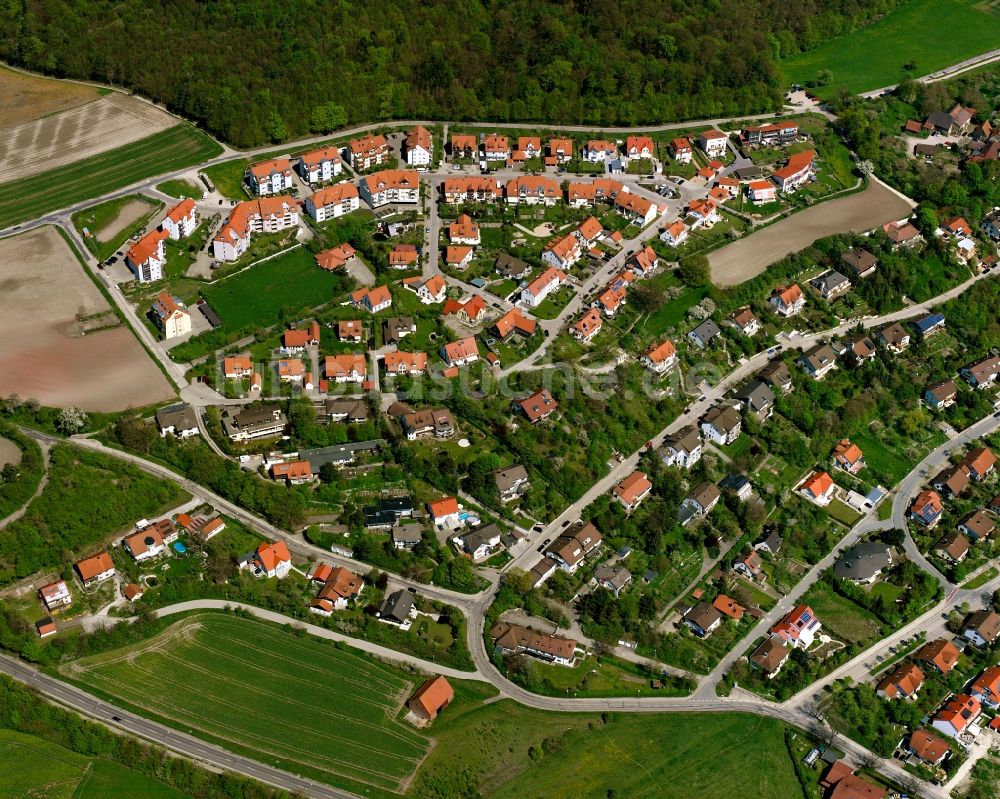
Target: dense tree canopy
pixel 261 70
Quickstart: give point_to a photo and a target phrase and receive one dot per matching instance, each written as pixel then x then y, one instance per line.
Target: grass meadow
pixel 925 34
pixel 177 147
pixel 295 702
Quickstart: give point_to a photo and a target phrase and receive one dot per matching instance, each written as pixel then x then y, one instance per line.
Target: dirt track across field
pixel 63 138
pixel 738 262
pixel 44 292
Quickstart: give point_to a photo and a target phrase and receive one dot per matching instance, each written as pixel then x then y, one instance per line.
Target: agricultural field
pixel 255 296
pixel 738 262
pixel 24 98
pixel 110 224
pixel 337 721
pixel 49 353
pixel 41 193
pixel 918 38
pixel 81 130
pixel 48 771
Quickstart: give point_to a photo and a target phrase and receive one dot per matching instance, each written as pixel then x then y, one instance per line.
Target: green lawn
pixel 255 296
pixel 46 770
pixel 882 461
pixel 843 513
pixel 228 178
pixel 672 313
pixel 982 578
pixel 927 34
pixel 840 616
pixel 307 706
pixel 177 147
pixel 180 188
pixel 98 217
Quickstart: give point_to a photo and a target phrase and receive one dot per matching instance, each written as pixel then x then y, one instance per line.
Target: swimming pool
pixel 179 547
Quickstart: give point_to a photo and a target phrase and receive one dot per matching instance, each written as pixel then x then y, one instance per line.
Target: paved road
pixel 944 74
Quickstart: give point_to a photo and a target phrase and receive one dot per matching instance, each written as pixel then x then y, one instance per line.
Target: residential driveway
pixel 738 262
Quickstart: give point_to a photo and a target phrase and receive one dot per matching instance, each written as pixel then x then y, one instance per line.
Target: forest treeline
pixel 254 71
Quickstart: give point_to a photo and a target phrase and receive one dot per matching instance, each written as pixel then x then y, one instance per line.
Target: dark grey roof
pixel 471 541
pixel 863 561
pixel 941 119
pixel 703 615
pixel 509 477
pixel 776 373
pixel 734 482
pixel 772 541
pixel 396 606
pixel 509 266
pixel 341 453
pixel 757 394
pixel 706 331
pixel 829 281
pixel 180 416
pixel 356 409
pixel 209 313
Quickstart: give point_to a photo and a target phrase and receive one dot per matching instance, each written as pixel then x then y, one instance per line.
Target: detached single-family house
pixel 55 595
pixel 511 482
pixel 903 682
pixel 979 463
pixel 698 503
pixel 983 373
pixel 796 171
pixel 798 627
pixel 787 300
pixel 661 357
pixel 461 352
pixel 819 361
pixel 293 473
pixel 95 569
pixel 928 747
pixel 537 290
pixel 982 627
pixel 682 448
pixel 681 150
pixel 818 488
pixel 631 491
pixel 863 563
pixel 758 399
pixel 574 546
pixel 986 687
pixel 956 715
pixel 537 406
pixel 894 337
pixel 848 457
pixel 831 285
pixel 703 335
pixel 861 262
pixel 941 395
pixel 926 508
pixel 770 656
pixel 587 326
pixel 749 565
pixel 713 143
pixel 777 375
pixel 431 698
pixel 675 234
pixel 977 525
pixel 444 512
pixel 612 577
pixel 722 425
pixel 512 638
pixel 940 655
pixel 953 547
pixel 702 619
pixel 744 320
pixel 761 191
pixel 372 300
pixel 341 588
pixel 479 544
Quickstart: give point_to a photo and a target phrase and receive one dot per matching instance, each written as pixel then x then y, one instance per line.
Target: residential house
pixel 406 535
pixel 862 350
pixel 977 525
pixel 464 145
pixel 941 395
pixel 95 569
pixel 429 421
pixel 675 234
pixel 744 320
pixel 982 627
pixel 698 503
pixel 351 331
pixel 956 715
pixel 147 257
pixel 532 190
pixel 848 457
pixel 796 171
pixel 702 619
pixel 511 482
pixel 537 290
pixel 749 565
pixel 538 406
pixel 770 656
pixel 612 577
pixel 681 150
pixel 387 512
pixel 346 368
pixel 979 463
pixel 983 373
pixel 264 215
pixel 561 149
pixel 461 352
pixel 638 210
pixel 631 491
pixel 444 512
pixel 179 420
pixel 479 544
pixel 472 189
pixel 269 177
pixel 799 627
pixel 682 448
pixel 431 698
pixel 341 588
pixel 496 147
pixel 590 193
pixel 368 151
pixel 512 268
pixel 940 655
pixel 512 323
pixel 787 300
pixel 170 315
pixel 713 143
pixel 320 166
pixel 737 484
pixel 639 147
pixel 863 563
pixel 721 425
pixel 770 543
pixel 405 363
pixel 296 341
pixel 761 191
pixel 818 488
pixel 418 146
pixel 986 687
pixel 335 257
pixel 270 560
pixel 819 361
pixel 702 213
pixel 390 186
pixel 458 256
pixel 774 134
pixel 927 747
pixel 396 608
pixel 861 262
pixel 514 639
pixel 661 357
pixel 953 480
pixel 55 595
pixel 372 300
pixel 293 472
pixel 956 122
pixel 777 375
pixel 758 399
pixel 181 220
pixel 902 234
pixel 333 202
pixel 599 150
pixel 237 367
pixel 831 285
pixel 464 230
pixel 728 606
pixel 894 337
pixel 587 326
pixel 574 546
pixel 563 251
pixel 704 334
pixel 953 547
pixel 145 544
pixel 250 424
